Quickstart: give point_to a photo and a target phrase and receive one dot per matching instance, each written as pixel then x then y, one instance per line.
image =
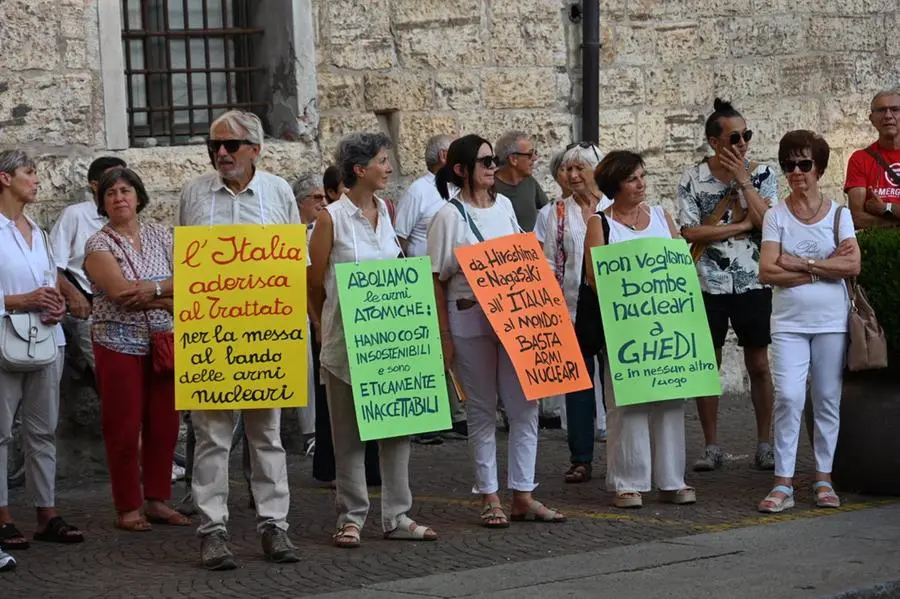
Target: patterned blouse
pixel 731 265
pixel 113 327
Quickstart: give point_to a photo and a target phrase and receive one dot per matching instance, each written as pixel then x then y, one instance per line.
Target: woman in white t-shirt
pixel 645 442
pixel 474 213
pixel 808 249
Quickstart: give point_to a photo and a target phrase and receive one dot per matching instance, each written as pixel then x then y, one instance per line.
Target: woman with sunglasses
pixel 564 231
pixel 808 249
pixel 646 441
pixel 721 203
pixel 474 213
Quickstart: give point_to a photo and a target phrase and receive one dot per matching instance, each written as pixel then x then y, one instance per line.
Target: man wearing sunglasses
pixel 238 193
pixel 514 179
pixel 873 173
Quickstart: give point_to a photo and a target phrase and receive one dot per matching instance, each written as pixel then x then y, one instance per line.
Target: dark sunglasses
pixel 231 145
pixel 788 166
pixel 487 161
pixel 585 145
pixel 735 138
pixel 530 154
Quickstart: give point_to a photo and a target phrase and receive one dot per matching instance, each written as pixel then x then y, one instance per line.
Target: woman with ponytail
pixel 475 213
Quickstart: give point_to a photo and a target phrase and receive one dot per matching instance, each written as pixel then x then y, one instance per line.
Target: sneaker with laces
pixel 712 458
pixel 765 457
pixel 214 552
pixel 278 547
pixel 7 562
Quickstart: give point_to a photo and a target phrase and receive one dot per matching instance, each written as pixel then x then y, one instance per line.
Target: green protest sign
pixel 654 321
pixel 394 347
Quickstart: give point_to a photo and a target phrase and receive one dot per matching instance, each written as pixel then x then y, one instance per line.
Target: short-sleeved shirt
pixel 731 265
pixel 527 198
pixel 864 171
pixel 820 307
pixel 450 230
pixel 354 240
pixel 414 213
pixel 267 199
pixel 114 327
pixel 75 226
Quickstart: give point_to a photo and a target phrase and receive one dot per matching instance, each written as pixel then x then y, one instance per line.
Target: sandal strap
pixel 789 491
pixel 493 511
pixel 347 530
pixel 819 484
pixel 59 527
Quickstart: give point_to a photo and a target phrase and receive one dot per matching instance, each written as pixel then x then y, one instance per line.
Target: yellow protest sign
pixel 240 317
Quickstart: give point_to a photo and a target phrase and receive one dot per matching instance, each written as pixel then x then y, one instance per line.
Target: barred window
pixel 186 62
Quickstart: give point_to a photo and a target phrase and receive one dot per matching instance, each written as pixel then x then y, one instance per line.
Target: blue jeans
pixel 581 416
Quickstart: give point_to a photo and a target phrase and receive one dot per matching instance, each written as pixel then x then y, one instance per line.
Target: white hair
pixel 305 185
pixel 894 91
pixel 434 147
pixel 242 123
pixel 590 155
pixel 508 144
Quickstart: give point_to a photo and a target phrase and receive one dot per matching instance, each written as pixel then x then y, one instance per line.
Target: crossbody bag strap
pixel 560 258
pixel 472 226
pixel 851 281
pixel 883 163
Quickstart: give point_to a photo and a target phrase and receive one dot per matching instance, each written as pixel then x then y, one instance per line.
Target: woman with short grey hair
pixel 310 198
pixel 29 381
pixel 358 228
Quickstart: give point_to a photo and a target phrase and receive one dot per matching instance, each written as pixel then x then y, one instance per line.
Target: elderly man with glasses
pixel 514 179
pixel 873 173
pixel 239 193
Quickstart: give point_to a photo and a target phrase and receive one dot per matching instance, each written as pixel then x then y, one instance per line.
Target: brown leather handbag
pixel 714 218
pixel 867 343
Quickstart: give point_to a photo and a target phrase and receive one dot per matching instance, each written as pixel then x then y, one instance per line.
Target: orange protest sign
pixel 524 303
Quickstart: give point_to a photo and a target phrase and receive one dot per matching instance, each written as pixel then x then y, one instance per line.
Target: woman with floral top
pixel 130 267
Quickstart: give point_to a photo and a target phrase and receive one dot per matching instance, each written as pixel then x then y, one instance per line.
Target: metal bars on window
pixel 186 62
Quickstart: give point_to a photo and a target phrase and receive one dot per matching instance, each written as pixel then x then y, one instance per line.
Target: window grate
pixel 186 62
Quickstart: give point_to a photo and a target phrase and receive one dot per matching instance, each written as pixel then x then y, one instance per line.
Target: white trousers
pixel 644 444
pixel 485 372
pixel 268 469
pixel 795 357
pixel 35 395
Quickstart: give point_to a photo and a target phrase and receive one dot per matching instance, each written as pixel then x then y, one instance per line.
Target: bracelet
pixel 814 278
pixel 743 184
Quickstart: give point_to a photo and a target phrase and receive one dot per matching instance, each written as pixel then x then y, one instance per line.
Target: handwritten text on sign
pixel 240 317
pixel 657 335
pixel 394 347
pixel 524 303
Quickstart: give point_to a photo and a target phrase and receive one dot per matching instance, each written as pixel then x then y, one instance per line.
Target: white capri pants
pixel 796 356
pixel 485 371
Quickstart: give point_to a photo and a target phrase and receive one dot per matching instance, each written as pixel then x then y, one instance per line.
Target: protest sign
pixel 394 347
pixel 525 305
pixel 657 336
pixel 240 317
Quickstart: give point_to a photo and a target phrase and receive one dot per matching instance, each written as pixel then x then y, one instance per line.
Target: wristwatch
pixel 809 264
pixel 158 288
pixel 888 210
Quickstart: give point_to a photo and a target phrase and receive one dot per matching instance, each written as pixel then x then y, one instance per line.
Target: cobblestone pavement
pixel 165 562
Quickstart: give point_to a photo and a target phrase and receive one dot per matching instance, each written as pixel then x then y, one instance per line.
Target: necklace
pixel 813 215
pixel 632 226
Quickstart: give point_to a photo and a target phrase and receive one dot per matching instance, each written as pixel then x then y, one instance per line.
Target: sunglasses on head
pixel 788 166
pixel 487 161
pixel 231 145
pixel 735 138
pixel 585 145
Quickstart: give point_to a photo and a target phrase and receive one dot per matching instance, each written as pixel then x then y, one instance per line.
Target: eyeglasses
pixel 585 145
pixel 531 154
pixel 231 145
pixel 885 109
pixel 487 161
pixel 735 138
pixel 788 166
pixel 318 197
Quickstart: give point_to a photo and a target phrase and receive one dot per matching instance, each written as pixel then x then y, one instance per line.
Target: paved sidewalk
pixel 164 562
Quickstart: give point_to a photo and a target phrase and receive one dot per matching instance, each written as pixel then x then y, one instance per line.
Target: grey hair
pixel 242 123
pixel 305 185
pixel 434 147
pixel 359 149
pixel 507 143
pixel 10 160
pixel 556 162
pixel 894 91
pixel 590 155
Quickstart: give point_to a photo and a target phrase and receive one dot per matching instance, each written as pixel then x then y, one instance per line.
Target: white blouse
pixel 354 241
pixel 450 230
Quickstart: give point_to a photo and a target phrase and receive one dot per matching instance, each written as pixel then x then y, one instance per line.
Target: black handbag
pixel 588 320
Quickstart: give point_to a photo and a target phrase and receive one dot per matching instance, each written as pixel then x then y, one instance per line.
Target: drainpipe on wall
pixel 590 64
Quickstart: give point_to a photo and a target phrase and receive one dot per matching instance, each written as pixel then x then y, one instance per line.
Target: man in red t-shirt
pixel 873 189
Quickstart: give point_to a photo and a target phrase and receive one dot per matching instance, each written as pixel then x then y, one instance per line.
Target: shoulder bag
pixel 588 319
pixel 867 343
pixel 714 218
pixel 162 343
pixel 26 343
